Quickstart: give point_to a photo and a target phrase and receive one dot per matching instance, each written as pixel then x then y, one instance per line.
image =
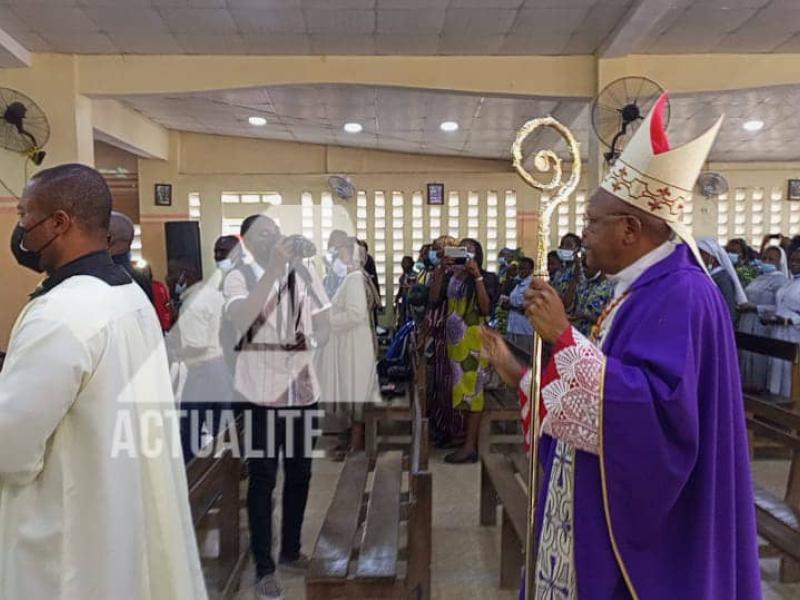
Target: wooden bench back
pixel 772 348
pixel 331 558
pixel 213 483
pixel 783 427
pixel 779 522
pixel 767 346
pixel 359 547
pixel 377 558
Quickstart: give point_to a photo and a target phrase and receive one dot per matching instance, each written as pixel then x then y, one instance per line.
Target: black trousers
pixel 263 473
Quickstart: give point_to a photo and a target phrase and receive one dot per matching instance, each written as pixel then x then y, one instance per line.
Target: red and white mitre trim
pixel 571 393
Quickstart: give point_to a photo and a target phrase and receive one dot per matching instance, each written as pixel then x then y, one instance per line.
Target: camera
pixel 301 247
pixel 457 253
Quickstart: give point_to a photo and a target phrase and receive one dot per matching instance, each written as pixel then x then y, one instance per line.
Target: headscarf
pixel 712 247
pixel 784 266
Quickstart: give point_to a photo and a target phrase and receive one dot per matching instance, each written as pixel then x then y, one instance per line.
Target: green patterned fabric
pixel 470 371
pixel 747 274
pixel 563 278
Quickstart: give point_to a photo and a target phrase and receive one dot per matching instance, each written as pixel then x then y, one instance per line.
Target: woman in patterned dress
pixel 592 293
pixel 447 425
pixel 471 293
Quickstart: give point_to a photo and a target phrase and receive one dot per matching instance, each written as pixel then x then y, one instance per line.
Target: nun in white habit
pixel 346 366
pixel 761 303
pixel 785 326
pixel 721 269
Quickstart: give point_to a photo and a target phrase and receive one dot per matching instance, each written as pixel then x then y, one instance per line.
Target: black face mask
pixel 122 259
pixel 30 259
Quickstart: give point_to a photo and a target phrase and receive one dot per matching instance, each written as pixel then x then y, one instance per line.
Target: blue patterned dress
pixel 591 296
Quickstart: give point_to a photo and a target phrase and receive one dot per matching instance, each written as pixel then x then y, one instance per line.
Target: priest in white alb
pixel 93 496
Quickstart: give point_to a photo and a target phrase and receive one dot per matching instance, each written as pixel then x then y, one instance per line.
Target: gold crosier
pixel 545 161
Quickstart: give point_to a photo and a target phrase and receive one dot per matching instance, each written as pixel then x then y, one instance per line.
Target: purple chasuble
pixel 674 451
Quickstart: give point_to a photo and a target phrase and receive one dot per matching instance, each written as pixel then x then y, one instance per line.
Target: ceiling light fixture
pixel 353 127
pixel 449 126
pixel 754 125
pixel 257 121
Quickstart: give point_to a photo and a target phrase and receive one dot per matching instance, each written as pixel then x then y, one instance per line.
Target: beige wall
pixel 51 83
pixel 210 165
pixel 756 189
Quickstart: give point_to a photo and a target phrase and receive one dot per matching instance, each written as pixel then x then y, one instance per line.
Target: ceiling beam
pixel 120 126
pixel 545 76
pixel 12 54
pixel 693 73
pixel 636 26
pixel 531 76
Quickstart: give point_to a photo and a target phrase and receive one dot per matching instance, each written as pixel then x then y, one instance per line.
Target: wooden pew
pixel 375 541
pixel 760 446
pixel 383 421
pixel 504 475
pixel 504 482
pixel 778 520
pixel 214 498
pixel 772 348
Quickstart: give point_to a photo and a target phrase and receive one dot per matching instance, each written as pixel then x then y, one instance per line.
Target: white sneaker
pixel 268 588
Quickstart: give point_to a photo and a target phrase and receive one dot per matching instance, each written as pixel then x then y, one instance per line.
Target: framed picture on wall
pixel 163 194
pixel 793 192
pixel 435 193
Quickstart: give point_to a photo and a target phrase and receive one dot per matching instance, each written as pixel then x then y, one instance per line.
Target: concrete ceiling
pixel 408 120
pixel 400 27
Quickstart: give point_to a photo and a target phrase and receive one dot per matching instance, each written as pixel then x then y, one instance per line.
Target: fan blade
pixel 613 93
pixel 627 95
pixel 639 91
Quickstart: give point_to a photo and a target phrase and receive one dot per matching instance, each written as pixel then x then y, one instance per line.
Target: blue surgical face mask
pixel 501 261
pixel 433 257
pixel 734 258
pixel 419 266
pixel 566 255
pixel 339 268
pixel 767 268
pixel 226 265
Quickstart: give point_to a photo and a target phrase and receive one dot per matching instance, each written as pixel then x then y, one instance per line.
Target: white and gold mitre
pixel 656 179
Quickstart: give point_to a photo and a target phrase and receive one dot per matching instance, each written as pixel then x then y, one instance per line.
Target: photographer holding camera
pixel 281 309
pixel 470 293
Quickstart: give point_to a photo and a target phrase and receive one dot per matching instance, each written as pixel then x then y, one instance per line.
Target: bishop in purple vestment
pixel 647 490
